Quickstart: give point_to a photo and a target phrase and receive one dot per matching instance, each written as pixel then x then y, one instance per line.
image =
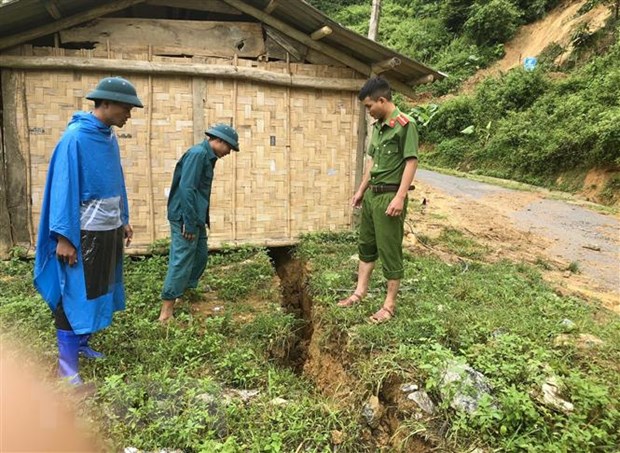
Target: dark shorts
pixel 102 255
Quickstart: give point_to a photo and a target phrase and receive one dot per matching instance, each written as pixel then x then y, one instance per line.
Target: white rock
pixel 422 399
pixel 408 388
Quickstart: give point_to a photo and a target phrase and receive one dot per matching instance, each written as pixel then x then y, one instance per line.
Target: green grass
pixel 501 319
pixel 175 386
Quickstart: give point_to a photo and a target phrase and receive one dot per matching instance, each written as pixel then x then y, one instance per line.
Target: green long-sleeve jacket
pixel 190 192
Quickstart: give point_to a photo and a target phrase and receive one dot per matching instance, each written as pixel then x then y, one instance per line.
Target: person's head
pixel 114 98
pixel 376 95
pixel 222 139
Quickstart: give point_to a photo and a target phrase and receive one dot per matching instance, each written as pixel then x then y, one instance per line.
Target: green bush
pixel 453 116
pixel 492 22
pixel 516 91
pixel 451 153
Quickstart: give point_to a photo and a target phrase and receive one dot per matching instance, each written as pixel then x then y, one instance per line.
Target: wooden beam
pixel 52 8
pixel 321 33
pixel 424 79
pixel 344 58
pixel 76 19
pixel 212 6
pixel 185 69
pixel 273 4
pixel 300 36
pixel 296 50
pixel 385 65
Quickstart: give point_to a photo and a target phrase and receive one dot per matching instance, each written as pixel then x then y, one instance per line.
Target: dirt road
pixel 527 226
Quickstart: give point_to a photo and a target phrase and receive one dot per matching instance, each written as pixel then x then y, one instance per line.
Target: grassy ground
pixel 179 386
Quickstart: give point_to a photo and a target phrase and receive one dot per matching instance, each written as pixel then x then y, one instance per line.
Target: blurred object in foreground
pixel 33 415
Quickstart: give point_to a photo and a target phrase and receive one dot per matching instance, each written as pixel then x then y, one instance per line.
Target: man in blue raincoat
pixel 188 213
pixel 85 224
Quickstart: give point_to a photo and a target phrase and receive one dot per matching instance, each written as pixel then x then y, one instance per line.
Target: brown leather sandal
pixel 350 301
pixel 383 315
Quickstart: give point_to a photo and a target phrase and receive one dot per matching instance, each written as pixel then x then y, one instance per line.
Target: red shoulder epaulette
pixel 402 119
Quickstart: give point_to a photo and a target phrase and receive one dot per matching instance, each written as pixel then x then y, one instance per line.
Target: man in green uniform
pixel 188 213
pixel 382 194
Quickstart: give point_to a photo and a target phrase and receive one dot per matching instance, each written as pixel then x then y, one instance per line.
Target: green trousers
pixel 380 235
pixel 186 263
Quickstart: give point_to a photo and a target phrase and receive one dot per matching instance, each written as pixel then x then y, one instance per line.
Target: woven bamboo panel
pixel 294 174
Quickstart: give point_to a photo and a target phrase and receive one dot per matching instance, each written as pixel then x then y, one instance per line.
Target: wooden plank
pixel 188 69
pixel 213 6
pixel 61 24
pixel 172 37
pixel 16 173
pixel 319 58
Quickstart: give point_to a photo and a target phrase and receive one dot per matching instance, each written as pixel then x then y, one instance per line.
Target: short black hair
pixel 375 88
pixel 98 103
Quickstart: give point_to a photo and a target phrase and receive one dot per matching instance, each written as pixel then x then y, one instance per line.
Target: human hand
pixel 65 252
pixel 356 201
pixel 128 235
pixel 188 236
pixel 395 208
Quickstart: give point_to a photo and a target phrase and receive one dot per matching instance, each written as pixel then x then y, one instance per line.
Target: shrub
pixel 492 22
pixel 450 153
pixel 453 116
pixel 516 91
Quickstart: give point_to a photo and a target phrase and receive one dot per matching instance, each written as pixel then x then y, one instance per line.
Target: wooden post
pixel 199 88
pixel 16 172
pixel 287 149
pixel 149 150
pixel 375 14
pixel 25 147
pixel 234 155
pixel 6 242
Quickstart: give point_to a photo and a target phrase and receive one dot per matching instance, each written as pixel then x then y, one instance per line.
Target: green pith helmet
pixel 115 89
pixel 226 133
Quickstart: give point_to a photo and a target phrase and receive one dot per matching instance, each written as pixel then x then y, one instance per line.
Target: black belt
pixel 384 188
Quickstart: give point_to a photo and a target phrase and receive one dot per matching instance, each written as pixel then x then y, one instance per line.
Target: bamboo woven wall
pixel 294 174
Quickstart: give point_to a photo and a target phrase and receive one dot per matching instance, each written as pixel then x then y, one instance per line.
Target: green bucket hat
pixel 115 89
pixel 226 133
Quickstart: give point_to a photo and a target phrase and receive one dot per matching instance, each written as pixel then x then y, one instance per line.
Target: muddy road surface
pixel 527 226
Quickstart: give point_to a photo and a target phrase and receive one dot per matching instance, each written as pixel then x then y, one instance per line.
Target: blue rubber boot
pixel 86 350
pixel 68 356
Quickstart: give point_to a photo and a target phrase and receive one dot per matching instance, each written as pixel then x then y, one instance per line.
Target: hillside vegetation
pixel 549 127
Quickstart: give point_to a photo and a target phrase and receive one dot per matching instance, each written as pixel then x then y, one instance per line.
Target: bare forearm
pixel 366 178
pixel 410 168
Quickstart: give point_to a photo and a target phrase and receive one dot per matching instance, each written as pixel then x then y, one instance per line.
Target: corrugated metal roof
pixel 22 15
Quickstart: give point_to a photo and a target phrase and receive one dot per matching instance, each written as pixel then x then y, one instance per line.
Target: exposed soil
pixel 531 40
pixel 524 226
